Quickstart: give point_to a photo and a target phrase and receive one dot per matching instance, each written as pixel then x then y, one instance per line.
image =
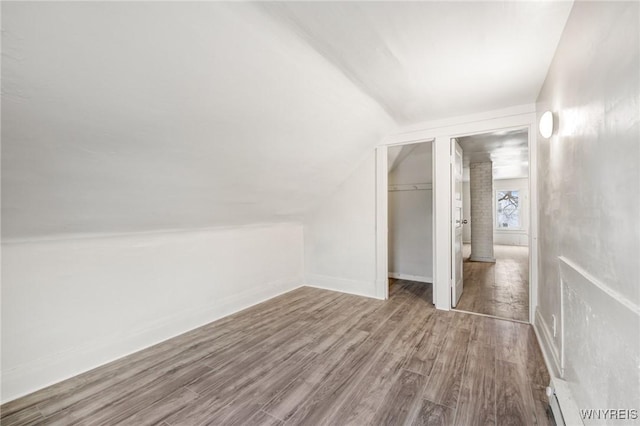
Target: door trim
pixel 441 132
pixel 455 280
pixel 382 218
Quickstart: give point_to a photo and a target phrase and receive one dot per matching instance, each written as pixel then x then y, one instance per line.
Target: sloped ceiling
pixel 397 154
pixel 426 60
pixel 414 164
pixel 138 116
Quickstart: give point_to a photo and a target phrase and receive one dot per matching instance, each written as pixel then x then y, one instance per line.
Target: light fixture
pixel 546 124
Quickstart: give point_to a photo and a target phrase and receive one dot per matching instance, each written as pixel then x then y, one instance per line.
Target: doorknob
pixel 464 222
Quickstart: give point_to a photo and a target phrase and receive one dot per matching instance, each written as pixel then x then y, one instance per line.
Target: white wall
pixel 514 237
pixel 71 305
pixel 410 217
pixel 589 189
pixel 339 236
pixel 189 116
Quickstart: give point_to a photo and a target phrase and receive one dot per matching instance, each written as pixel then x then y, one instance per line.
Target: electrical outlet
pixel 554 325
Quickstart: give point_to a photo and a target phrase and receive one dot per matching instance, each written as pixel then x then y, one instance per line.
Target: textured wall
pixel 589 205
pixel 481 184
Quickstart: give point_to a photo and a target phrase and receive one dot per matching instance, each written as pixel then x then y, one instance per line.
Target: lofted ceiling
pixel 433 59
pixel 507 150
pixel 139 116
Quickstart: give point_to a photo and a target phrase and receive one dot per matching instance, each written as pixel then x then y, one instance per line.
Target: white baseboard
pixel 40 373
pixel 482 259
pixel 418 278
pixel 550 352
pixel 344 285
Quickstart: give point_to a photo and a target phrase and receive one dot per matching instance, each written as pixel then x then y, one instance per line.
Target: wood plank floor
pixel 500 289
pixel 315 357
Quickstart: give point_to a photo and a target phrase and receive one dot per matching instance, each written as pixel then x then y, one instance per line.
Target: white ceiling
pixel 140 116
pixel 507 150
pixel 433 59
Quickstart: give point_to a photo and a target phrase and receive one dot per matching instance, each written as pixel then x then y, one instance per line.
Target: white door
pixel 456 228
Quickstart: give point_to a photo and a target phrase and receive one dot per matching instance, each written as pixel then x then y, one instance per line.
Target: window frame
pixel 520 209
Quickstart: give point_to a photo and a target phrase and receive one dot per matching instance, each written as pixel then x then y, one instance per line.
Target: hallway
pixel 500 289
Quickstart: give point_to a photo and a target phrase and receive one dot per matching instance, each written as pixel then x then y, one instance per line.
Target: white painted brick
pixel 481 184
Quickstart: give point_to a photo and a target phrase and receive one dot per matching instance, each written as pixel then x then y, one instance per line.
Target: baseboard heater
pixel 563 406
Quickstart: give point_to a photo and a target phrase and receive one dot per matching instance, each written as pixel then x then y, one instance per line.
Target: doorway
pixel 490 226
pixel 410 216
pixel 440 133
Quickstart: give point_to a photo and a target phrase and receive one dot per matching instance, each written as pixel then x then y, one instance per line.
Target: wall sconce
pixel 546 124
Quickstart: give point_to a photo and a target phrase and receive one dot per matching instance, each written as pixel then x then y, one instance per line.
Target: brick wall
pixel 481 181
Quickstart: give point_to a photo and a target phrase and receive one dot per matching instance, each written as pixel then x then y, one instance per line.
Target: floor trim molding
pixel 417 278
pixel 34 375
pixel 549 350
pixel 344 285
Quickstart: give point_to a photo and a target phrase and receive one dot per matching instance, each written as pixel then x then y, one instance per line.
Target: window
pixel 508 210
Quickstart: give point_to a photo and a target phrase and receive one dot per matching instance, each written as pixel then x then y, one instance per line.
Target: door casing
pixel 441 132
